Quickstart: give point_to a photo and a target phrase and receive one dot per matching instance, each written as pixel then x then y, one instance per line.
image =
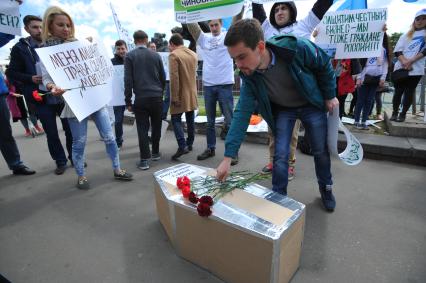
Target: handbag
pixel 371 80
pixel 399 75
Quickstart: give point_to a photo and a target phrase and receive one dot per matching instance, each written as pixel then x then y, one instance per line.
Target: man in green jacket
pixel 290 78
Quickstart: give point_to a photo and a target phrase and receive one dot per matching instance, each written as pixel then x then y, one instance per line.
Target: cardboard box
pixel 253 235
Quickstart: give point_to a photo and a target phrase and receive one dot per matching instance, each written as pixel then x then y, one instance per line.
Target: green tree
pixel 393 39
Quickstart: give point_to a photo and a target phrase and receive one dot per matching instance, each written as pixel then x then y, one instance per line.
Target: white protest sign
pixel 353 153
pixel 192 11
pixel 83 65
pixel 261 127
pixel 117 86
pixel 191 171
pixel 10 17
pixel 165 58
pixel 354 33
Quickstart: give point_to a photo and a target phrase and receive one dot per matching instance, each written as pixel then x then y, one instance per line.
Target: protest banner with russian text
pixel 272 1
pixel 354 33
pixel 81 65
pixel 10 18
pixel 192 11
pixel 165 59
pixel 117 86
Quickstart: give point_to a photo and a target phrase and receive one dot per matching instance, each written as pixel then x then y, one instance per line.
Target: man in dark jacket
pixel 22 71
pixel 8 146
pixel 144 75
pixel 290 78
pixel 120 53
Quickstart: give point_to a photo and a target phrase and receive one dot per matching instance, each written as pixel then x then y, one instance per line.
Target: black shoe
pixel 394 116
pixel 401 118
pixel 23 171
pixel 234 161
pixel 206 154
pixel 122 175
pixel 179 153
pixel 83 184
pixel 60 169
pixel 156 156
pixel 327 198
pixel 190 147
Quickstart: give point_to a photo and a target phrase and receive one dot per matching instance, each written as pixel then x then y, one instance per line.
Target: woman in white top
pixel 410 51
pixel 372 76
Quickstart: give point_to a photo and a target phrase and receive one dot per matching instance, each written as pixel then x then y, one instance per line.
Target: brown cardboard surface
pixel 260 207
pixel 231 254
pixel 291 248
pixel 163 211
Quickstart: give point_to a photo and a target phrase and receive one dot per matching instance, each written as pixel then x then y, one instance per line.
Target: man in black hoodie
pixel 23 72
pixel 120 53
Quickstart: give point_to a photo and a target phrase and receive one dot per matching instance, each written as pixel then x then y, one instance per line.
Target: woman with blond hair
pixel 410 51
pixel 58 28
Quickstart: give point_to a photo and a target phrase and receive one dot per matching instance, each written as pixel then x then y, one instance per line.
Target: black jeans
pixel 178 129
pixel 342 99
pixel 408 89
pixel 148 112
pixel 119 116
pixel 47 114
pixel 8 146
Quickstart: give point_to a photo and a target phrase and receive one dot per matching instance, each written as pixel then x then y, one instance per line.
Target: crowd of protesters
pixel 265 70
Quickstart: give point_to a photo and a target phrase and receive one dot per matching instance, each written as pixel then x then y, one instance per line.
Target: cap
pixel 422 12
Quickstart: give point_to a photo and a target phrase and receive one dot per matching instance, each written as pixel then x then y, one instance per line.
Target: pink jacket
pixel 12 103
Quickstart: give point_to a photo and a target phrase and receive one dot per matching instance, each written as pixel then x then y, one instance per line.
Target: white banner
pixel 117 86
pixel 165 58
pixel 81 65
pixel 192 11
pixel 10 18
pixel 353 153
pixel 354 34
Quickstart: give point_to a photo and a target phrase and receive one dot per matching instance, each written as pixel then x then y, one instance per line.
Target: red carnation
pixel 37 96
pixel 193 197
pixel 186 191
pixel 207 200
pixel 204 209
pixel 182 182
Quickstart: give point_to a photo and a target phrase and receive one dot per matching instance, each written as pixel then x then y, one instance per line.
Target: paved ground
pixel 52 232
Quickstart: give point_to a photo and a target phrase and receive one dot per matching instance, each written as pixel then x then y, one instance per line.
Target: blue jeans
pixel 119 115
pixel 178 129
pixel 47 114
pixel 364 102
pixel 223 95
pixel 8 146
pixel 79 137
pixel 166 101
pixel 315 124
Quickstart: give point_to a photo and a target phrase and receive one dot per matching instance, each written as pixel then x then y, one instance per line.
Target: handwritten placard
pixel 354 34
pixel 81 65
pixel 10 19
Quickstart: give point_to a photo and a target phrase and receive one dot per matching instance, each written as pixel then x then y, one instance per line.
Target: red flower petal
pixel 204 210
pixel 36 96
pixel 193 197
pixel 182 182
pixel 186 191
pixel 207 200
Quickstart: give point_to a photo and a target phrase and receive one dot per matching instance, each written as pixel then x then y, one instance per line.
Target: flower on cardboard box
pixel 204 209
pixel 211 188
pixel 37 96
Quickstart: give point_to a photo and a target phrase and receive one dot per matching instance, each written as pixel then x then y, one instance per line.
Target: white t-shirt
pixel 303 28
pixel 218 68
pixel 410 48
pixel 376 66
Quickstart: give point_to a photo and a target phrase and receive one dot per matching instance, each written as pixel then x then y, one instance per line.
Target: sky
pixel 94 17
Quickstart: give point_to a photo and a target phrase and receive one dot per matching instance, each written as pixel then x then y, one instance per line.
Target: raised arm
pixel 195 30
pixel 259 12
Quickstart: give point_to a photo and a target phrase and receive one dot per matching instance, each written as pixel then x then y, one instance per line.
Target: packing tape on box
pixel 353 153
